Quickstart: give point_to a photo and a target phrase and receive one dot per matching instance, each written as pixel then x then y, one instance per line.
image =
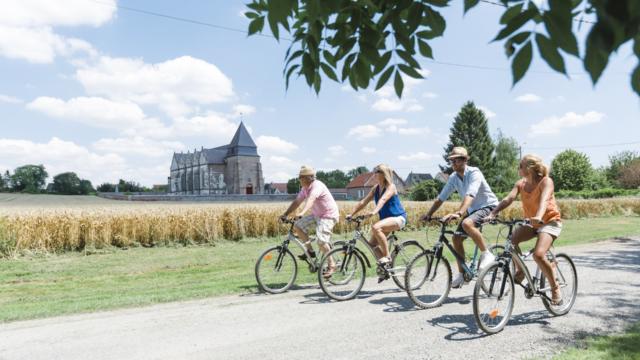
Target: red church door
pixel 249 189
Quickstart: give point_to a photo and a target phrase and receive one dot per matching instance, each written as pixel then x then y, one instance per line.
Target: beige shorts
pixel 324 227
pixel 400 220
pixel 553 228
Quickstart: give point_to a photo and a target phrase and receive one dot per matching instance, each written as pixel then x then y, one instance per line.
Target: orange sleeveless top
pixel 531 201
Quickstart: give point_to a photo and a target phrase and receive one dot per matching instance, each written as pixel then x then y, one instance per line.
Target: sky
pixel 110 93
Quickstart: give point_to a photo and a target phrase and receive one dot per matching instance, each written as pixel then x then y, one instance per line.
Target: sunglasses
pixel 455 160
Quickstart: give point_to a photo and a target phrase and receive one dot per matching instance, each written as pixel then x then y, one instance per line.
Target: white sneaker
pixel 486 259
pixel 458 281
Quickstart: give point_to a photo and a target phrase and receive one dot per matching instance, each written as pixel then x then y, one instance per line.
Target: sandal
pixel 328 272
pixel 556 296
pixel 518 278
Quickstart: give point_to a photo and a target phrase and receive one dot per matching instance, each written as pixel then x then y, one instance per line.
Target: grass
pixel 622 346
pixel 43 285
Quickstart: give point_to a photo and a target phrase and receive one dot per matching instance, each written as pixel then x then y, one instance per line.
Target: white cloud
pixel 95 111
pixel 243 110
pixel 414 131
pixel 388 104
pixel 10 99
pixel 368 150
pixel 429 95
pixel 139 146
pixel 487 112
pixel 414 108
pixel 388 101
pixel 275 144
pixel 416 156
pixel 363 132
pixel 211 125
pixel 61 156
pixel 337 150
pixel 26 27
pixel 528 98
pixel 279 168
pixel 554 124
pixel 176 86
pixel 392 124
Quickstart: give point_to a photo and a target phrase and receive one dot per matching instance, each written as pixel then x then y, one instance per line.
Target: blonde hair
pixel 533 164
pixel 386 172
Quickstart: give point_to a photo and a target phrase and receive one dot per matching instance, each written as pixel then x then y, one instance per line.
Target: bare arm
pixel 294 205
pixel 391 190
pixel 436 205
pixel 362 203
pixel 546 188
pixel 513 194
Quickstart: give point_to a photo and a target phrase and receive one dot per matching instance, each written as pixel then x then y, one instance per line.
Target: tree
pixel 333 179
pixel 571 170
pixel 130 186
pixel 86 187
pixel 293 186
pixel 617 162
pixel 371 40
pixel 504 170
pixel 630 175
pixel 353 173
pixel 106 187
pixel 29 178
pixel 66 183
pixel 599 179
pixel 426 190
pixel 470 129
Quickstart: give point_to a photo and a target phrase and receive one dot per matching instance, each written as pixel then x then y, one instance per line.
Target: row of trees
pixel 32 179
pixel 333 179
pixel 123 186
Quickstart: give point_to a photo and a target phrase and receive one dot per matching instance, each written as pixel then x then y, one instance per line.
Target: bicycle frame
pixel 285 245
pixel 437 250
pixel 358 236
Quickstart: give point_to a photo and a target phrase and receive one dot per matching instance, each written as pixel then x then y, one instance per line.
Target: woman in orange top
pixel 539 205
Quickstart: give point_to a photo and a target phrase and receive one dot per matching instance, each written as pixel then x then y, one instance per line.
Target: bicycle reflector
pixel 268 257
pixel 493 313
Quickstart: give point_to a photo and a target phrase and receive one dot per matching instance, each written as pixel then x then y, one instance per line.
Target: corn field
pixel 75 228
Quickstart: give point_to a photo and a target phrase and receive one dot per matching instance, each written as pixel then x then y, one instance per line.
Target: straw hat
pixel 307 171
pixel 458 152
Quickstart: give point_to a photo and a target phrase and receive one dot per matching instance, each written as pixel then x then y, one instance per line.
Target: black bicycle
pixel 276 269
pixel 493 296
pixel 350 272
pixel 428 274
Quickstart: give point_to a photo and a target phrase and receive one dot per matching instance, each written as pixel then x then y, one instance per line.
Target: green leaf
pixel 635 80
pixel 521 62
pixel 256 25
pixel 436 21
pixel 251 15
pixel 289 72
pixel 410 71
pixel 427 34
pixel 597 53
pixel 560 34
pixel 382 62
pixel 316 83
pixel 408 58
pixel 398 84
pixel 273 24
pixel 329 72
pixel 425 49
pixel 515 24
pixel 550 53
pixel 384 77
pixel 636 46
pixel 510 13
pixel 296 54
pixel 329 58
pixel 363 74
pixel 439 3
pixel 470 4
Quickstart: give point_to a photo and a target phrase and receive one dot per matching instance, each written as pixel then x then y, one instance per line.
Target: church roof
pixel 242 144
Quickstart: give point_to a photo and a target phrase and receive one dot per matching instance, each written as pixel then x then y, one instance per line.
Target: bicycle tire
pixel 418 282
pixel 348 266
pixel 399 269
pixel 490 292
pixel 568 270
pixel 267 258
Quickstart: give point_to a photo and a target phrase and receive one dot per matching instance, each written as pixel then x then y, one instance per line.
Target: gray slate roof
pixel 414 178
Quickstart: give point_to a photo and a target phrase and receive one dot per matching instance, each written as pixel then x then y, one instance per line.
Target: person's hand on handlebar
pixel 426 218
pixel 450 217
pixel 489 218
pixel 536 220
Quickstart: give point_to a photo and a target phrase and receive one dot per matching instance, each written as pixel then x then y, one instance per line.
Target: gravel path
pixel 304 324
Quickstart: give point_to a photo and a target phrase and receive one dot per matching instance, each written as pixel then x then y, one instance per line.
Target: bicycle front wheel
pixel 401 257
pixel 348 277
pixel 276 270
pixel 493 298
pixel 428 280
pixel 567 279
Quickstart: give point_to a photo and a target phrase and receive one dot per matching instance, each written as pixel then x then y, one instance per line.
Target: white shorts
pixel 324 227
pixel 553 228
pixel 400 220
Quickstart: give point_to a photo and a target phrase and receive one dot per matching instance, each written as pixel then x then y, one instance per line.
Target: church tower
pixel 243 169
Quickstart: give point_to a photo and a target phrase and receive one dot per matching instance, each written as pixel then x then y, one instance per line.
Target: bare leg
pixel 302 235
pixel 474 233
pixel 459 247
pixel 379 232
pixel 521 234
pixel 540 256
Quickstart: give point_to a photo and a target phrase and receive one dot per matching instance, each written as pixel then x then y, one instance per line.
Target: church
pixel 229 169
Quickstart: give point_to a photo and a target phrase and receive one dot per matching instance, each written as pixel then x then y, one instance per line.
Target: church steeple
pixel 242 144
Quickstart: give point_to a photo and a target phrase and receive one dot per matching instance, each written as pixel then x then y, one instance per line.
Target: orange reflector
pixel 493 313
pixel 268 257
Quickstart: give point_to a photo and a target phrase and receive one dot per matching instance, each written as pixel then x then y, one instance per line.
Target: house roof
pixel 242 144
pixel 414 178
pixel 368 180
pixel 282 187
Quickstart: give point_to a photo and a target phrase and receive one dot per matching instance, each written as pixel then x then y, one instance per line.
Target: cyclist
pixel 539 205
pixel 387 205
pixel 477 202
pixel 324 214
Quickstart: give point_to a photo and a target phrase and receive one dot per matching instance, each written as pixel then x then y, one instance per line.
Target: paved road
pixel 303 324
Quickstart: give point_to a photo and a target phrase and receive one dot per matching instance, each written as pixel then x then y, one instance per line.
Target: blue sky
pixel 110 93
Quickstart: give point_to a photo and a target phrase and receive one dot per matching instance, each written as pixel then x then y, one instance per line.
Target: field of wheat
pixel 78 225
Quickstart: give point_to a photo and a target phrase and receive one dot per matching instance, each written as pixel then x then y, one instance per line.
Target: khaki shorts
pixel 553 228
pixel 324 227
pixel 400 221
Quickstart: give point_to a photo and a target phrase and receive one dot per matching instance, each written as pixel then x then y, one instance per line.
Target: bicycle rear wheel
pixel 567 279
pixel 493 298
pixel 276 270
pixel 400 258
pixel 348 277
pixel 428 280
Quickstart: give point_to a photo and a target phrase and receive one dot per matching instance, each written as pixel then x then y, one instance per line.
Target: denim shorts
pixel 477 218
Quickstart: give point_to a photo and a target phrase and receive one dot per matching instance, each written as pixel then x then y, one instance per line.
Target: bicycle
pixel 495 285
pixel 428 274
pixel 277 268
pixel 348 278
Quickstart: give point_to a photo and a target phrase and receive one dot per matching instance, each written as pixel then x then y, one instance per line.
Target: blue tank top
pixel 392 207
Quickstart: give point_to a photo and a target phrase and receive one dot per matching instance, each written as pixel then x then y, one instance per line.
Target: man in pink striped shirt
pixel 324 213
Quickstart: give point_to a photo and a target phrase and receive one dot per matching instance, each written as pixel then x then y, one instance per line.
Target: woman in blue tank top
pixel 388 206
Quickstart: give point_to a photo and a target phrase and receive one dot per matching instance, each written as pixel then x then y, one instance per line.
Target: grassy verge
pixel 622 346
pixel 48 285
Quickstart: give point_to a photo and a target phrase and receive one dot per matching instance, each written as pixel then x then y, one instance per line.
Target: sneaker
pixel 486 259
pixel 458 281
pixel 303 257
